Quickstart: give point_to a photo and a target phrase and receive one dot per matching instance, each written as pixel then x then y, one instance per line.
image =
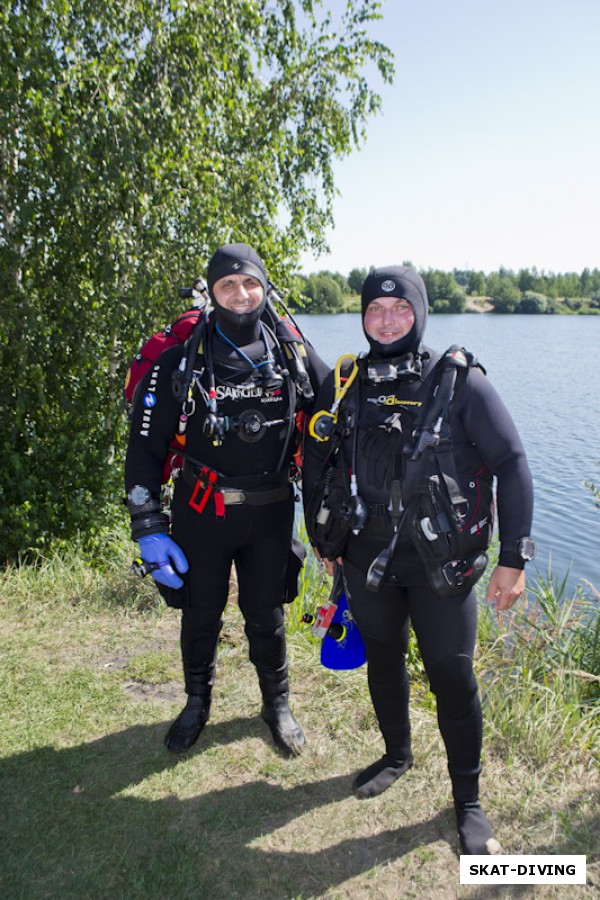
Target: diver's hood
pixel 405 283
pixel 237 259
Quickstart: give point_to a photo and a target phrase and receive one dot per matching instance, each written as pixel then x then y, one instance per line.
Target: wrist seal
pixel 146 513
pixel 152 523
pixel 511 560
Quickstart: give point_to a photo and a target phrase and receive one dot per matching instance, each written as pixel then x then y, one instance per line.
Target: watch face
pixel 527 549
pixel 139 495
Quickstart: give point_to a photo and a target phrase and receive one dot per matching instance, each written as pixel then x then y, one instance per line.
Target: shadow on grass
pixel 77 822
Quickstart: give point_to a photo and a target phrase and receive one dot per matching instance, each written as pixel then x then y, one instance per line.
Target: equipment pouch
pixel 329 512
pixel 451 539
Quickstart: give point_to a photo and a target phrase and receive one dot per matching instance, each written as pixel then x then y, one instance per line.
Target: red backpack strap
pixel 177 332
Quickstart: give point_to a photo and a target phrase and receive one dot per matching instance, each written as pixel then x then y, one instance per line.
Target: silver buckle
pixel 232 496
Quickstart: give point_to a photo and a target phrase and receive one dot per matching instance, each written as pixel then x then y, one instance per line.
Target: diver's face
pixel 387 319
pixel 238 293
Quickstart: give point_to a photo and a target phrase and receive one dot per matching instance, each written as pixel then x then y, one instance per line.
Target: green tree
pixel 568 284
pixel 585 283
pixel 134 138
pixel 595 281
pixel 444 293
pixel 476 284
pixel 547 284
pixel 505 295
pixel 461 277
pixel 356 278
pixel 324 292
pixel 508 274
pixel 527 280
pixel 339 278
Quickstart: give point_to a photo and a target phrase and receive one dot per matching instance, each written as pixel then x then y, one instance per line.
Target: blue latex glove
pixel 161 551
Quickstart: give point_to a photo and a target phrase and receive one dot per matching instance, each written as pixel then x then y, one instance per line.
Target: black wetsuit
pixel 256 536
pixel 481 428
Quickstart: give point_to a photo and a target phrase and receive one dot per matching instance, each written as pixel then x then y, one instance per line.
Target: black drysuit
pixel 481 428
pixel 256 536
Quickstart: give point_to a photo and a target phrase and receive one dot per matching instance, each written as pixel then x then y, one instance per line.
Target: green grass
pixel 93 806
pixel 546 660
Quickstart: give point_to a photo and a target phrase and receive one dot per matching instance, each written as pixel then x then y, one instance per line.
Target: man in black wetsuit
pixel 233 502
pixel 392 382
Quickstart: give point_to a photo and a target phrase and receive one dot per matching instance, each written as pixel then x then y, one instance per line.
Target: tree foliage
pixel 356 278
pixel 533 303
pixel 445 295
pixel 324 292
pixel 476 283
pixel 135 137
pixel 555 293
pixel 504 293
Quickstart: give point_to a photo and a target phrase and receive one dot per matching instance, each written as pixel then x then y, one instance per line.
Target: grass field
pixel 93 806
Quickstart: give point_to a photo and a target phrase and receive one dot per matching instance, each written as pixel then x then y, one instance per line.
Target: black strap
pixel 285 337
pixel 432 428
pixel 257 481
pixel 438 401
pixel 180 380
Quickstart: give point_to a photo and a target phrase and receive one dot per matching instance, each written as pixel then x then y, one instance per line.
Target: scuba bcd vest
pixel 444 505
pixel 190 329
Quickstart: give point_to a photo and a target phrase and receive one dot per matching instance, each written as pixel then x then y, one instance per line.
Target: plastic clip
pixel 208 486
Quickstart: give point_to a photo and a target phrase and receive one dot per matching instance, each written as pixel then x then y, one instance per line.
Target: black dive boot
pixel 188 726
pixel 379 776
pixel 395 728
pixel 267 652
pixel 287 734
pixel 475 834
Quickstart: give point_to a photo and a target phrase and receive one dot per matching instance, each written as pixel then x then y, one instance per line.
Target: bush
pixel 533 303
pixel 506 296
pixel 324 293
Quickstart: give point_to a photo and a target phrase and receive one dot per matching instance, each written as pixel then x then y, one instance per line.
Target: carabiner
pixel 322 423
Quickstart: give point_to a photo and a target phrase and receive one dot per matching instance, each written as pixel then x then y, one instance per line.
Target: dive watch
pixel 524 548
pixel 138 495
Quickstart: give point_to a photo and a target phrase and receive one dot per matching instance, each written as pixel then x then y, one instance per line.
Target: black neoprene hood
pixel 235 259
pixel 405 283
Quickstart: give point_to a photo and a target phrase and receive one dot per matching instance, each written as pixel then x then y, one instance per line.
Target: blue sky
pixel 487 150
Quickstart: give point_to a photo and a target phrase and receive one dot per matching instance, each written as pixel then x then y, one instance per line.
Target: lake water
pixel 547 371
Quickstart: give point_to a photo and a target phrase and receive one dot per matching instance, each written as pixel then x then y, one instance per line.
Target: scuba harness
pixel 448 517
pixel 279 336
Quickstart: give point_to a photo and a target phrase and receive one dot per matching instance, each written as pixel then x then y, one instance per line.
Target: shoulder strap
pixel 182 376
pixel 432 426
pixel 454 363
pixel 293 343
